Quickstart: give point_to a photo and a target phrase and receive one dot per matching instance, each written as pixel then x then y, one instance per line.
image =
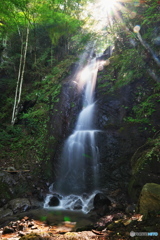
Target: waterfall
pixel 77 182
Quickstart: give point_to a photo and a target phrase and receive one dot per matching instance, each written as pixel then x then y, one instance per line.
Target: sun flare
pixel 107 5
pixel 102 15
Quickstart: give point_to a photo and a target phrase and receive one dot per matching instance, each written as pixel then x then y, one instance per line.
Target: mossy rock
pixel 145 167
pixel 145 155
pixel 32 236
pixel 149 202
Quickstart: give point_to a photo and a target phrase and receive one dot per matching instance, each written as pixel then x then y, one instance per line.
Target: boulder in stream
pixel 54 201
pixel 101 204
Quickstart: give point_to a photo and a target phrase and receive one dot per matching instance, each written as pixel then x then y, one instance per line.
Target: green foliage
pixel 123 69
pixel 144 162
pixel 143 111
pixel 58 24
pixel 131 67
pixel 151 13
pixel 10 133
pixel 146 157
pixel 28 140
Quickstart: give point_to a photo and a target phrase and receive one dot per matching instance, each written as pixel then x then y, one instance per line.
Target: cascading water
pixel 77 182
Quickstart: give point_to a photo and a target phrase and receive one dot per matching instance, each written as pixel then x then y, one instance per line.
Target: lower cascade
pixel 77 182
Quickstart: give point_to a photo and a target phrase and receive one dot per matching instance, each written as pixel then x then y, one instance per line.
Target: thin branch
pixel 153 75
pixel 146 46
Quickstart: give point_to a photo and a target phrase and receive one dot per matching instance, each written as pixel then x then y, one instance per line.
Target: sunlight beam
pixel 107 5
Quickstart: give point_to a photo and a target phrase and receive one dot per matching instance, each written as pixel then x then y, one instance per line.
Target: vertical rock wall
pixel 118 139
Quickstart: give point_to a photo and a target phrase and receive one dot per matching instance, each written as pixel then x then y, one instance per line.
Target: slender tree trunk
pixel 20 78
pixel 17 87
pixel 24 63
pixel 35 43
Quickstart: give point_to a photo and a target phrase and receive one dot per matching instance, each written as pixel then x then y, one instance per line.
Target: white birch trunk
pixel 17 87
pixel 20 79
pixel 24 63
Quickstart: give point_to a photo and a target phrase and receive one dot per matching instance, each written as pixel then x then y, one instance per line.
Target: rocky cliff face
pixel 62 120
pixel 119 139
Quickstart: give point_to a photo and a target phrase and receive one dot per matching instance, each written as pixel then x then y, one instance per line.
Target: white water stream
pixel 77 183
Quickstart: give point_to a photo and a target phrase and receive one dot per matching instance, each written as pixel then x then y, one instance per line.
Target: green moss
pixel 145 161
pixel 147 156
pixel 32 236
pixel 149 202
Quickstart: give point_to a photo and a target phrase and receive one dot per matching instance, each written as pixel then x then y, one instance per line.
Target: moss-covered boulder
pixel 145 167
pixel 149 202
pixel 19 205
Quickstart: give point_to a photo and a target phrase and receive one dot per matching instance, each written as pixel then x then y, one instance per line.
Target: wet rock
pixel 8 229
pixel 25 219
pixel 78 205
pixel 21 227
pixel 130 208
pixel 54 201
pixel 30 224
pixel 19 205
pixel 2 202
pixel 149 202
pixel 7 178
pixel 5 213
pixel 21 234
pixel 6 183
pixel 35 203
pixel 14 225
pixel 101 204
pixel 34 227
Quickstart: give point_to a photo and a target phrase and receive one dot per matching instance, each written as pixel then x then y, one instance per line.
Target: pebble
pixel 34 227
pixel 21 234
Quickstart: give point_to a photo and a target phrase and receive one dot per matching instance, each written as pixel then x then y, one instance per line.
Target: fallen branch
pixel 13 171
pixel 97 232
